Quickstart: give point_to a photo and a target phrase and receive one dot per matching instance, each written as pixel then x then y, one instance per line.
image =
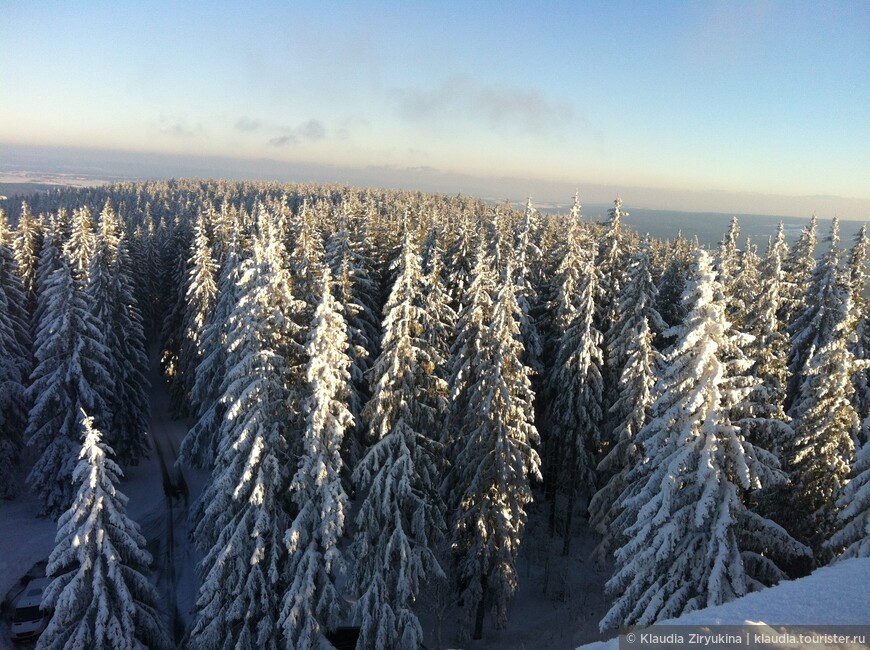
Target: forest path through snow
pixel 159 500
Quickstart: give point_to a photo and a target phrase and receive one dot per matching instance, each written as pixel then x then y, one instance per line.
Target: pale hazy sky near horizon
pixel 752 97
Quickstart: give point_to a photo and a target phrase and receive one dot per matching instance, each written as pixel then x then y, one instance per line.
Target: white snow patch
pixel 834 595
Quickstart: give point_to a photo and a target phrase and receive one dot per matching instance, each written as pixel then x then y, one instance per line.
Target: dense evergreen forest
pixel 380 383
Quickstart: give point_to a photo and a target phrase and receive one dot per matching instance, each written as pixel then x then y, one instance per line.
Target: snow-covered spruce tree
pixel 461 256
pixel 562 289
pixel 820 306
pixel 728 260
pixel 306 259
pixel 144 254
pixel 857 268
pixel 862 378
pixel 743 291
pixel 71 373
pixel 79 248
pixel 113 307
pixel 767 423
pixel 100 596
pixel 633 350
pixel 245 516
pixel 401 518
pixel 526 257
pixel 610 262
pixel 860 345
pixel 853 539
pixel 15 362
pixel 26 246
pixel 472 319
pixel 797 269
pixel 311 604
pixel 474 315
pixel 825 425
pixel 356 292
pixel 576 387
pixel 201 296
pixel 173 299
pixel 816 322
pixel 49 261
pixel 439 331
pixel 495 463
pixel 199 447
pixel 691 542
pixel 677 265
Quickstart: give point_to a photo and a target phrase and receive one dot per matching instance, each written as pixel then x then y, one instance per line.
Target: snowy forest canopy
pixel 380 383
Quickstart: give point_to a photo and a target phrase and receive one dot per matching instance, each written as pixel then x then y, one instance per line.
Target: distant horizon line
pixel 89 163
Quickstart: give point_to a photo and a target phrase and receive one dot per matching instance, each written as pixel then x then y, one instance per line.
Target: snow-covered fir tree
pixel 311 604
pixel 461 253
pixel 743 290
pixel 853 539
pixel 79 247
pixel 728 261
pixel 610 262
pixel 306 258
pixel 526 257
pixel 199 446
pixel 860 343
pixel 691 542
pixel 244 518
pixel 857 268
pixel 494 466
pixel 439 327
pixel 26 246
pixel 401 518
pixel 15 361
pixel 100 596
pixel 71 374
pixel 173 299
pixel 814 324
pixel 862 377
pixel 576 386
pixel 677 265
pixel 356 292
pixel 798 268
pixel 201 296
pixel 825 420
pixel 633 352
pixel 472 319
pixel 767 423
pixel 49 262
pixel 112 304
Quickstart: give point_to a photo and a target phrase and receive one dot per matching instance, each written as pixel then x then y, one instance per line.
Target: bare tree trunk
pixel 481 610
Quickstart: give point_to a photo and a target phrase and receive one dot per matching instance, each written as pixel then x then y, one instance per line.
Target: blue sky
pixel 703 99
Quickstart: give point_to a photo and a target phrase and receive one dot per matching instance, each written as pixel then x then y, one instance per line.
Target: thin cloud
pixel 310 131
pixel 248 124
pixel 177 127
pixel 498 106
pixel 283 141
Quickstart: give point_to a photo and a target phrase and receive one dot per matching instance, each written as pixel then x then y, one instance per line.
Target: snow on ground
pixel 834 595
